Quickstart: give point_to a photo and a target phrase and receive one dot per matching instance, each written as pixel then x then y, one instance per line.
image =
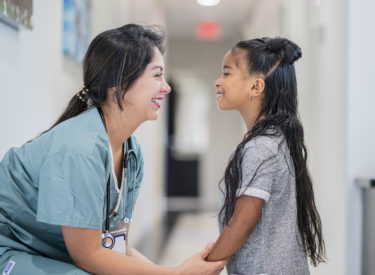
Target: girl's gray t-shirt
pixel 273 247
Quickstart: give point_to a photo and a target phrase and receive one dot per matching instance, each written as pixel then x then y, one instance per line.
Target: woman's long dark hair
pixel 274 59
pixel 115 58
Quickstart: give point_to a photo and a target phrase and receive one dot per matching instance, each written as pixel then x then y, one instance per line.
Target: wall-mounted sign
pixel 208 30
pixel 17 12
pixel 76 31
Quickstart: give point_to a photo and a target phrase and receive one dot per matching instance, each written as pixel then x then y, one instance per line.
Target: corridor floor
pixel 190 235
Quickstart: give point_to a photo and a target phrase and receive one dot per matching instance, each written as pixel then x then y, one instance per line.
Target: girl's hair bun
pixel 289 52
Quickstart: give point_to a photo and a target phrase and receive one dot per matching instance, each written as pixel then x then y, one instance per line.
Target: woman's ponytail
pixel 79 103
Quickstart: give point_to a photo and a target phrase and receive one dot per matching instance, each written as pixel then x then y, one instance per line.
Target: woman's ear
pixel 111 94
pixel 257 87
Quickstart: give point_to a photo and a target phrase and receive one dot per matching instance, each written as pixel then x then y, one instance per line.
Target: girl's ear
pixel 257 87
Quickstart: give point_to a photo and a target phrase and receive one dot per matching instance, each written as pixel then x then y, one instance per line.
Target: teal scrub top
pixel 60 179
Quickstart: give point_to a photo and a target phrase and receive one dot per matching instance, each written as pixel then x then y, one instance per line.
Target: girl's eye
pixel 225 74
pixel 159 75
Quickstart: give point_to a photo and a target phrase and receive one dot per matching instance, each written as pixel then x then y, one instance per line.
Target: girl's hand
pixel 196 264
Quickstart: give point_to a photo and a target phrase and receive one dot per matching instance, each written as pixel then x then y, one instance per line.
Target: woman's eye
pixel 159 75
pixel 225 74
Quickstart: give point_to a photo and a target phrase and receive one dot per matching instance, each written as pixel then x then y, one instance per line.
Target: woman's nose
pixel 166 89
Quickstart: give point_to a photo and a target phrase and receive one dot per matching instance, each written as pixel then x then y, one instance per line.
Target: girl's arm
pixel 84 246
pixel 245 217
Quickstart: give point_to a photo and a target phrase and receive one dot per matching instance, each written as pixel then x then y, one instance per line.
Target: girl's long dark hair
pixel 274 59
pixel 115 58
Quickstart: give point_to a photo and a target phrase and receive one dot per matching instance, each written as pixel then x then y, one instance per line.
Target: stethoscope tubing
pixel 108 240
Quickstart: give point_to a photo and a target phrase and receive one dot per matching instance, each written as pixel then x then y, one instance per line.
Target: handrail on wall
pixel 365 183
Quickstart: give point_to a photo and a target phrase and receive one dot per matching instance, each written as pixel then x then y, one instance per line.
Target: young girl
pixel 268 220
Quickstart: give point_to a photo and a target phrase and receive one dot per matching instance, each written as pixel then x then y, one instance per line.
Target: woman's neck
pixel 120 126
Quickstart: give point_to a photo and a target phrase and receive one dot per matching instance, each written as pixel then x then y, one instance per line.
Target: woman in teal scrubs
pixel 66 195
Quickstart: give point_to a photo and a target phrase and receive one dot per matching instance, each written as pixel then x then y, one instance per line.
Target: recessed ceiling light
pixel 208 2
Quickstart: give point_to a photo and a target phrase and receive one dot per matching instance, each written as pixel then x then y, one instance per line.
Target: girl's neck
pixel 250 118
pixel 250 113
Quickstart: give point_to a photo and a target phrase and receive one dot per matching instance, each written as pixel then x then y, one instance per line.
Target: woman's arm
pixel 245 217
pixel 132 252
pixel 84 246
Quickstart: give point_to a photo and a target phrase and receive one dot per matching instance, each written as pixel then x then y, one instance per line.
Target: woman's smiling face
pixel 145 95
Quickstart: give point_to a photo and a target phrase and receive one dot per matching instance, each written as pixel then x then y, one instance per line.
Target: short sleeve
pixel 259 171
pixel 72 190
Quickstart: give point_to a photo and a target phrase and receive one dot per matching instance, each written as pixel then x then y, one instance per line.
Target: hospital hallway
pixel 186 150
pixel 181 235
pixel 189 235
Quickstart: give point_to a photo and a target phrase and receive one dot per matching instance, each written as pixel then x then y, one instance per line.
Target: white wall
pixel 360 120
pixel 336 95
pixel 34 85
pixel 321 32
pixel 328 152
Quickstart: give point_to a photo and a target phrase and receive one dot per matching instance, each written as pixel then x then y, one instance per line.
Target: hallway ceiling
pixel 184 15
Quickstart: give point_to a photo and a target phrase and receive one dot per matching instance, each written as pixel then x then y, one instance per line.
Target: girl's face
pixel 145 96
pixel 234 84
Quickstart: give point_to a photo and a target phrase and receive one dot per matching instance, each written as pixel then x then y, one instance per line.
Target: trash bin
pixel 368 236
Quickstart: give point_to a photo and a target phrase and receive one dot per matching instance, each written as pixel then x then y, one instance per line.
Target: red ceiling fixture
pixel 208 30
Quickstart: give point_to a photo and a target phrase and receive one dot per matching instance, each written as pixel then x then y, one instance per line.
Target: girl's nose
pixel 217 82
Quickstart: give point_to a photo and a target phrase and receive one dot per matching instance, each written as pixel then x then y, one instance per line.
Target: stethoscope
pixel 108 240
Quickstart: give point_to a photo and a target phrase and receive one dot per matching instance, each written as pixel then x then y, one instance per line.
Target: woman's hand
pixel 196 264
pixel 84 246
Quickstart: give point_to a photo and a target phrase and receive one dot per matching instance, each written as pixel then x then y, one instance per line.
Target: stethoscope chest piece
pixel 108 241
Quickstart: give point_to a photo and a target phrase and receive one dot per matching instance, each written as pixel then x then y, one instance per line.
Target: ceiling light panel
pixel 208 3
